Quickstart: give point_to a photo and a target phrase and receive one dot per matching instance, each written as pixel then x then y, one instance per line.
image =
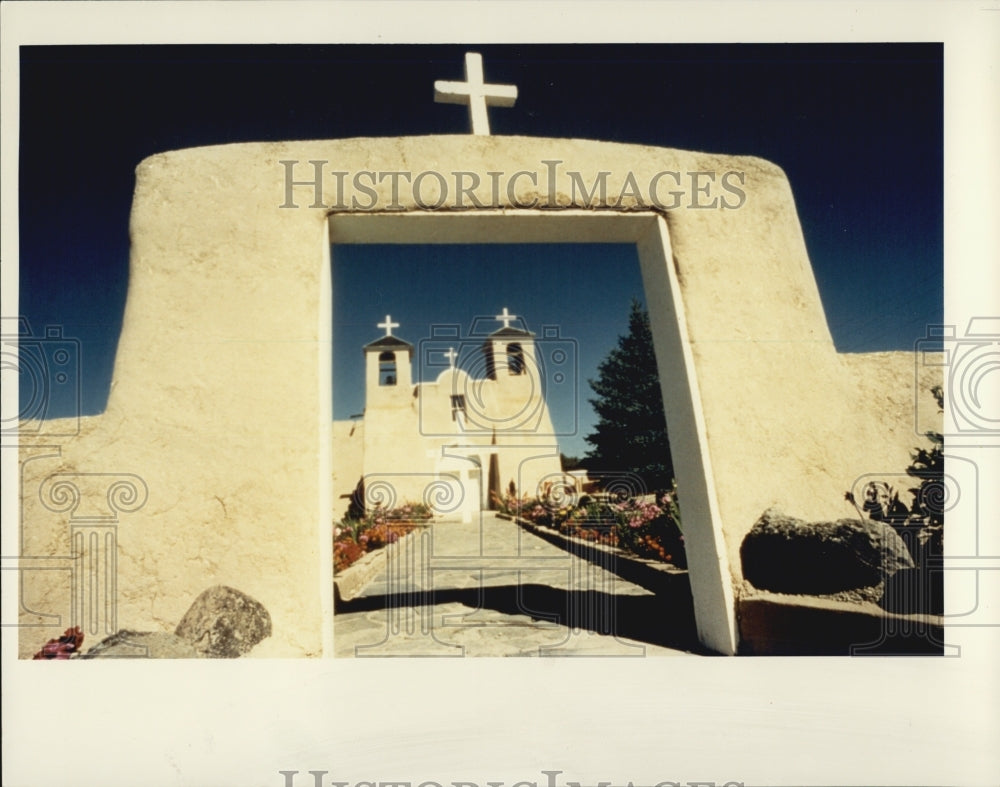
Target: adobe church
pixel 455 443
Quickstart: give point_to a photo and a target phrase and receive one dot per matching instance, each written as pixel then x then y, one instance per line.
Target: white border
pixel 773 721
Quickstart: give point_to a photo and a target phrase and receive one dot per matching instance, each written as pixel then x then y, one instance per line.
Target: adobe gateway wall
pixel 220 398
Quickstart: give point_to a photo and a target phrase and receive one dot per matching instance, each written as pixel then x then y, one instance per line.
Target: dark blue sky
pixel 857 128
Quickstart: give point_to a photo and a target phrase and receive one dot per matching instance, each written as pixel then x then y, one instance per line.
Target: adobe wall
pixel 220 399
pixel 348 462
pixel 791 422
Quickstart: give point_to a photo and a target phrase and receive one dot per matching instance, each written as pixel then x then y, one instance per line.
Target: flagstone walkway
pixel 490 588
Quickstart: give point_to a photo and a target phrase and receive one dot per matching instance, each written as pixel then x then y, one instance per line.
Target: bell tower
pixel 510 352
pixel 387 365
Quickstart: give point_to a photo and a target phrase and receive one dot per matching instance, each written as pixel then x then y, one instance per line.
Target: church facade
pixel 457 442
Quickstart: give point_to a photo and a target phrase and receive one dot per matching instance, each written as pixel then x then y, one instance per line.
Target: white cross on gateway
pixel 476 93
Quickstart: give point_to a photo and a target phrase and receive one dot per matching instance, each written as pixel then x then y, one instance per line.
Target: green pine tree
pixel 631 432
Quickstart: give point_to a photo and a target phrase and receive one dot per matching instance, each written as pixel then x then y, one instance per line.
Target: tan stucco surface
pixel 348 462
pixel 220 395
pixel 791 423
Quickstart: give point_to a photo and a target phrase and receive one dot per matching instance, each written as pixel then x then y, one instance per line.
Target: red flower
pixel 63 648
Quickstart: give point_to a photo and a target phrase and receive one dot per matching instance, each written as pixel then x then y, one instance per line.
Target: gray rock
pixel 224 623
pixel 143 645
pixel 787 555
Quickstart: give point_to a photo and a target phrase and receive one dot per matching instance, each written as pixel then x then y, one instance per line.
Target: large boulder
pixel 224 623
pixel 788 555
pixel 143 645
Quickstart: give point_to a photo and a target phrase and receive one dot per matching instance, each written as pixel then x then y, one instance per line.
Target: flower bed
pixel 66 647
pixel 355 537
pixel 648 526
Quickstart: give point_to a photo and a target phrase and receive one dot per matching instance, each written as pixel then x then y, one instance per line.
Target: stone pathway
pixel 491 588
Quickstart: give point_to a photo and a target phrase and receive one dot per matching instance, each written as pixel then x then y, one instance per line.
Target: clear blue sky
pixel 857 128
